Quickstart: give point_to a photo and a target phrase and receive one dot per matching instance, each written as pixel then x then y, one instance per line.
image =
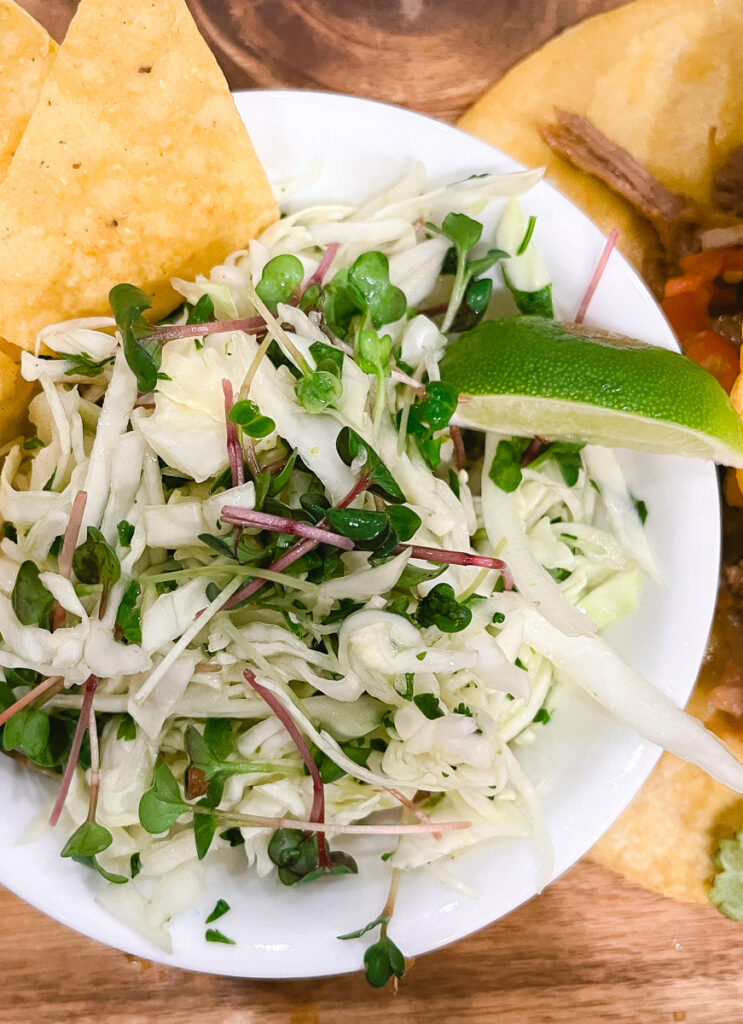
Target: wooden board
pixel 593 948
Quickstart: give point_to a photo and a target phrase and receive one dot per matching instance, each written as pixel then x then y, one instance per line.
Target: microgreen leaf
pixel 218 735
pixel 128 625
pixel 32 443
pixel 204 827
pixel 21 677
pixel 327 358
pixel 318 390
pixel 538 303
pixel 412 575
pixel 542 716
pixel 31 601
pixel 248 416
pixel 329 770
pixel 206 760
pixel 350 446
pixel 142 353
pixel 220 909
pixel 296 856
pixel 369 286
pixel 233 836
pixel 311 297
pixel 202 312
pixel 429 705
pixel 567 457
pixel 364 528
pixel 281 276
pixel 338 305
pixel 127 729
pixel 505 469
pixel 429 415
pixel 440 608
pixel 374 352
pixel 405 521
pixel 95 561
pixel 125 531
pixel 82 365
pixel 92 863
pixel 135 864
pixel 90 839
pixel 162 804
pixel 28 730
pixel 434 411
pixel 383 961
pixel 475 302
pixel 462 230
pixel 294 853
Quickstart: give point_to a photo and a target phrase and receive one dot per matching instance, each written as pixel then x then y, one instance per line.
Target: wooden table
pixel 593 948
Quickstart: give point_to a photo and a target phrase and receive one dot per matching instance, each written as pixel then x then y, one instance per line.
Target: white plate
pixel 587 765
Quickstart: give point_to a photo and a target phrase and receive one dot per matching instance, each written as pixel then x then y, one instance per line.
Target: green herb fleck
pixel 220 909
pixel 214 935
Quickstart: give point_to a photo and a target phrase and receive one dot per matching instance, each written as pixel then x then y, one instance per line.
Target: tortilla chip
pixel 26 55
pixel 135 166
pixel 654 76
pixel 666 838
pixel 663 79
pixel 15 394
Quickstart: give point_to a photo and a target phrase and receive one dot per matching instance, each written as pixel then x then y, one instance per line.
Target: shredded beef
pixel 679 222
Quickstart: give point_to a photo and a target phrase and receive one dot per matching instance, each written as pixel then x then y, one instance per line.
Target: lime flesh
pixel 530 376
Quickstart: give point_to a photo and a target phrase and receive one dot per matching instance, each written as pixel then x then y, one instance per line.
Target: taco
pixel 636 115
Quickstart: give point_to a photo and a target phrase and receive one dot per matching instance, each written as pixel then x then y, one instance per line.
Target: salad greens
pixel 256 585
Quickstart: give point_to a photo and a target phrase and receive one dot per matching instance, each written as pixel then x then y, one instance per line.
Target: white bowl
pixel 587 766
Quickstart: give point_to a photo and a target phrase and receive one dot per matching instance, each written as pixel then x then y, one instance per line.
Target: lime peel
pixel 532 376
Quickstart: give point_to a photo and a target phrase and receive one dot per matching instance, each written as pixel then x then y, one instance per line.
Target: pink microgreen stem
pixel 77 741
pixel 72 533
pixel 597 274
pixel 456 439
pixel 420 815
pixel 405 378
pixel 234 450
pixel 29 698
pixel 68 550
pixel 281 524
pixel 532 451
pixel 324 265
pixel 296 551
pixel 317 814
pixel 444 557
pixel 95 765
pixel 249 324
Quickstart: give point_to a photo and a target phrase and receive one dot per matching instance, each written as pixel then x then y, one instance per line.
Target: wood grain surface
pixel 593 948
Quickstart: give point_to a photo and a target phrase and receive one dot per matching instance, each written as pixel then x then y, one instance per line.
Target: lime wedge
pixel 534 377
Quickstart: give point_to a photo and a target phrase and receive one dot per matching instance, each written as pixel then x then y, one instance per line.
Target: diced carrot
pixel 687 311
pixel 716 354
pixel 710 263
pixel 687 283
